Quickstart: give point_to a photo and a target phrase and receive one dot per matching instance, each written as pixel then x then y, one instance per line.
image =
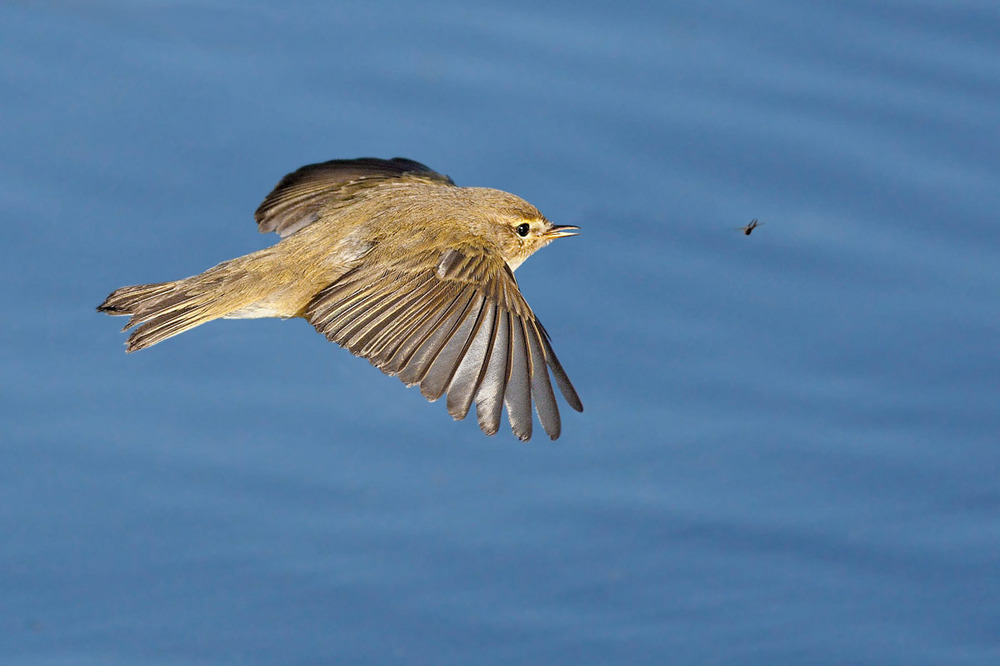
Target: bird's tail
pixel 162 310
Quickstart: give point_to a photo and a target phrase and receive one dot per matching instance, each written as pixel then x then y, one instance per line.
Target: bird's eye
pixel 523 229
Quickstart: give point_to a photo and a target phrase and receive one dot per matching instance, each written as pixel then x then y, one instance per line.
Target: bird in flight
pixel 400 266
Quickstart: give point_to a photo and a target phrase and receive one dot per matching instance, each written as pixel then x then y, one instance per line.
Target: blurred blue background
pixel 790 449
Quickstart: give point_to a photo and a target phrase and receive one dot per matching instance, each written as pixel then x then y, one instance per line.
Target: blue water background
pixel 790 452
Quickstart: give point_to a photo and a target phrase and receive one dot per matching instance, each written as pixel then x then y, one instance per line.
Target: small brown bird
pixel 402 267
pixel 747 230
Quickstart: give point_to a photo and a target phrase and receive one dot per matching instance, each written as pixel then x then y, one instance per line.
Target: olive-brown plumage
pixel 399 265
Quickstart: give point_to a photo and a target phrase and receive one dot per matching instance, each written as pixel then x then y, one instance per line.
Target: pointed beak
pixel 558 231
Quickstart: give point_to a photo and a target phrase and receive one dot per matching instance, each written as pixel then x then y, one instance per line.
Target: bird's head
pixel 519 229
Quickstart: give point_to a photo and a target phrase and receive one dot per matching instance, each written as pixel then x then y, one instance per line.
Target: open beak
pixel 558 231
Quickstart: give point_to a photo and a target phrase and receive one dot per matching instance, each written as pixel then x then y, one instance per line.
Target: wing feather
pixel 471 371
pixel 562 380
pixel 382 309
pixel 421 357
pixel 489 398
pixel 454 325
pixel 402 314
pixel 401 336
pixel 541 387
pixel 299 198
pixel 439 375
pixel 517 397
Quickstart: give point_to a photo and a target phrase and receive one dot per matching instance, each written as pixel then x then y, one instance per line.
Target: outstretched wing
pixel 296 200
pixel 461 328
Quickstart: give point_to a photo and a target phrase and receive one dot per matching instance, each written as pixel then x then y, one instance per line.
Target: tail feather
pixel 162 310
pixel 128 300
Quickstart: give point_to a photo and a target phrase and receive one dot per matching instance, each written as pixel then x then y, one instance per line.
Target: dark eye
pixel 523 229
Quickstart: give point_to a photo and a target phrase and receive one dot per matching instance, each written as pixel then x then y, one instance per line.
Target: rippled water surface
pixel 790 449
